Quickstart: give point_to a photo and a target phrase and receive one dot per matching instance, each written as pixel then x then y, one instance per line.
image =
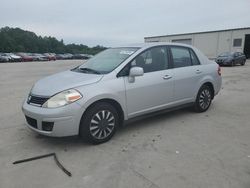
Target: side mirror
pixel 135 71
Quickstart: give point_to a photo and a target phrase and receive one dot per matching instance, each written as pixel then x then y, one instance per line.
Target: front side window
pixel 106 61
pixel 154 59
pixel 181 57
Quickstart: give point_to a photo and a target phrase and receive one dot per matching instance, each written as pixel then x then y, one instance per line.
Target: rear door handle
pixel 167 77
pixel 198 71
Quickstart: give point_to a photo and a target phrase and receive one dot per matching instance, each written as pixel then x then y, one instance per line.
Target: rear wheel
pixel 203 99
pixel 99 123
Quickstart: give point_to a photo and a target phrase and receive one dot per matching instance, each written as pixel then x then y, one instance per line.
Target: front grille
pixel 32 122
pixel 37 100
pixel 220 61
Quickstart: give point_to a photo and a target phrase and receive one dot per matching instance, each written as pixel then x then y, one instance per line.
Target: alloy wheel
pixel 205 99
pixel 102 124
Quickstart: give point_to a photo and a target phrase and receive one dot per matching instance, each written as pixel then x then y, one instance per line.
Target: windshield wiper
pixel 89 70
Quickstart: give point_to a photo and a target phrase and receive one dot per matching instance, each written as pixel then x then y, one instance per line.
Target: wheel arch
pixel 112 102
pixel 211 86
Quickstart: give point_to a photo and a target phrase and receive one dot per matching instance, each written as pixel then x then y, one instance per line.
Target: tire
pixel 99 123
pixel 203 99
pixel 243 62
pixel 232 64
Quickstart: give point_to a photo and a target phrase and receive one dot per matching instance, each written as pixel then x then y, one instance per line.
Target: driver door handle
pixel 198 71
pixel 167 77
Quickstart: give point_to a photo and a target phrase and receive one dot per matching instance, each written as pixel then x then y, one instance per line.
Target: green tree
pixel 18 40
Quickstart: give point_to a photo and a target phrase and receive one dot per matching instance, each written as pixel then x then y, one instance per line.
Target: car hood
pixel 15 56
pixel 56 83
pixel 224 58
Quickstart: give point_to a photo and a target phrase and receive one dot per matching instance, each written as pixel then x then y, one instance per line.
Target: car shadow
pixel 236 65
pixel 127 129
pixel 148 121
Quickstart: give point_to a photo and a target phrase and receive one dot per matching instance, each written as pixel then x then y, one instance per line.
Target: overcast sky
pixel 114 22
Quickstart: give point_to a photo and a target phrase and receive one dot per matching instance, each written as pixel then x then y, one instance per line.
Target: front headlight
pixel 62 99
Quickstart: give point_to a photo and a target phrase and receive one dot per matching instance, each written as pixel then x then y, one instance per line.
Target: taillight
pixel 219 71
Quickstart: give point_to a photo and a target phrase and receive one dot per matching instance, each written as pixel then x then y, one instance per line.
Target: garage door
pixel 183 41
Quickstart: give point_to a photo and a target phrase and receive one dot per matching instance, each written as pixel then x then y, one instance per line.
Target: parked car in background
pixel 50 56
pixel 81 56
pixel 60 56
pixel 39 57
pixel 14 57
pixel 68 56
pixel 4 57
pixel 25 56
pixel 64 56
pixel 119 84
pixel 231 58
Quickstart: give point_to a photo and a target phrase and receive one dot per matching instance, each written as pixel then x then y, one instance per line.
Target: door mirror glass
pixel 136 71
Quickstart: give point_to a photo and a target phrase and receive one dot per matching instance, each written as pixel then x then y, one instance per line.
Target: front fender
pixel 104 90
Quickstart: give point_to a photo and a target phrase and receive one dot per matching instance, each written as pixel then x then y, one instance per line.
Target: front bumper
pixel 223 62
pixel 62 121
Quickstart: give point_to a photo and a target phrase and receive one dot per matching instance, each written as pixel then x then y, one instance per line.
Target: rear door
pixel 187 73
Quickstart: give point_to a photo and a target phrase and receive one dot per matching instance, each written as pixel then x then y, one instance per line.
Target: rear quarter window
pixel 194 58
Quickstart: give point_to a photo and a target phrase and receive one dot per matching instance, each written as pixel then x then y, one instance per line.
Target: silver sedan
pixel 120 84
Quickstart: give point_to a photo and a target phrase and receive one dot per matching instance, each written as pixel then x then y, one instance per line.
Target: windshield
pixel 226 54
pixel 106 61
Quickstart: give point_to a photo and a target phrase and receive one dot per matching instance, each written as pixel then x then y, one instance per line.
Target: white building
pixel 212 43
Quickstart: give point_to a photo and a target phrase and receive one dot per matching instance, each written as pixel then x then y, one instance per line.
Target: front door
pixel 153 90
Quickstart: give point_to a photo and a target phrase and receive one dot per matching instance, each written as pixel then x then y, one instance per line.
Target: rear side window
pixel 181 57
pixel 194 58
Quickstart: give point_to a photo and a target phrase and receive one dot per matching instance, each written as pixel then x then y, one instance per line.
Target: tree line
pixel 18 40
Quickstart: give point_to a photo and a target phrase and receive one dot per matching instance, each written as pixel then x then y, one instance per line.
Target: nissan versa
pixel 118 84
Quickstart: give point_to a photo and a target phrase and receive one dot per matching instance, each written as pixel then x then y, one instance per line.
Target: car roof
pixel 152 44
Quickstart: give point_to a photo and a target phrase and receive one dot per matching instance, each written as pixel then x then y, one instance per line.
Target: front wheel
pixel 99 123
pixel 243 62
pixel 232 63
pixel 203 99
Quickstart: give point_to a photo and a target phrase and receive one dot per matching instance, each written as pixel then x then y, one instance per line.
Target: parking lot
pixel 176 149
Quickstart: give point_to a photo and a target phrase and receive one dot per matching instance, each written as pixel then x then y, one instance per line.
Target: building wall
pixel 239 34
pixel 207 43
pixel 224 42
pixel 211 43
